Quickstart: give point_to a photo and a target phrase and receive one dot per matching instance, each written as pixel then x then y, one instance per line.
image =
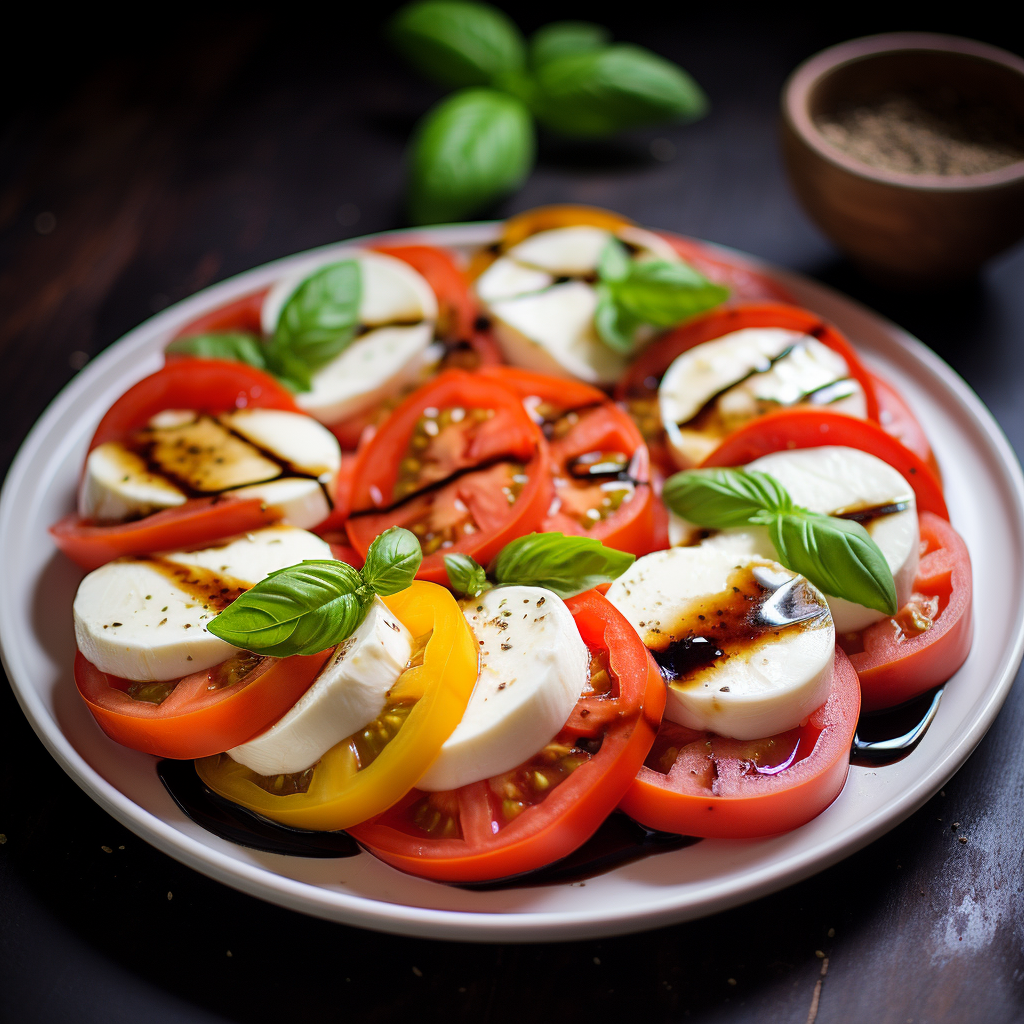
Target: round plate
pixel 986 500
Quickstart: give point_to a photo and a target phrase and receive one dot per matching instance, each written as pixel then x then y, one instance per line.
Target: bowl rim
pixel 798 87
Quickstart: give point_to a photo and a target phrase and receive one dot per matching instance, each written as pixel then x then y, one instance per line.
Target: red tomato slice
pixel 509 825
pixel 640 381
pixel 196 523
pixel 897 663
pixel 461 464
pixel 810 427
pixel 896 418
pixel 206 385
pixel 536 389
pixel 241 315
pixel 698 784
pixel 201 716
pixel 747 283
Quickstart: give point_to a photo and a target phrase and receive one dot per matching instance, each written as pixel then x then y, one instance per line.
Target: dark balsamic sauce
pixel 238 825
pixel 618 841
pixel 885 737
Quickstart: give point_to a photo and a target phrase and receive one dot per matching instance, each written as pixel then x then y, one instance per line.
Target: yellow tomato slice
pixel 425 705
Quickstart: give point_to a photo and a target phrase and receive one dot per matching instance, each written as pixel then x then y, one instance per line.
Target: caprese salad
pixel 460 555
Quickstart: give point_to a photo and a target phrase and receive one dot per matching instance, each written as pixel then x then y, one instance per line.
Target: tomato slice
pixel 204 713
pixel 552 804
pixel 809 427
pixel 742 278
pixel 895 418
pixel 924 644
pixel 196 523
pixel 461 464
pixel 698 784
pixel 640 383
pixel 206 385
pixel 243 314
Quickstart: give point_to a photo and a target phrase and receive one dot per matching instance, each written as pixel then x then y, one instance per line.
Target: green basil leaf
pixel 318 322
pixel 290 370
pixel 469 151
pixel 601 92
pixel 232 346
pixel 465 575
pixel 614 265
pixel 663 293
pixel 723 498
pixel 565 565
pixel 837 555
pixel 458 44
pixel 562 37
pixel 303 609
pixel 392 561
pixel 615 326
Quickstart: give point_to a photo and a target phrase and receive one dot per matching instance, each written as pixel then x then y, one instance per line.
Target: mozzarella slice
pixel 715 387
pixel 349 693
pixel 117 485
pixel 145 618
pixel 297 440
pixel 294 501
pixel 392 292
pixel 505 278
pixel 533 668
pixel 565 252
pixel 377 365
pixel 771 629
pixel 552 332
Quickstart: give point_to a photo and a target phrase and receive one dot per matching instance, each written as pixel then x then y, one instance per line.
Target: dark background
pixel 142 160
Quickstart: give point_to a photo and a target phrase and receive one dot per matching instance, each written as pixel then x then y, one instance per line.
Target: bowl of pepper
pixel 907 150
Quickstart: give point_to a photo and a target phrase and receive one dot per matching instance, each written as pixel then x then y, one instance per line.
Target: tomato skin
pixel 747 283
pixel 656 358
pixel 563 392
pixel 199 521
pixel 192 722
pixel 745 806
pixel 206 385
pixel 809 427
pixel 896 418
pixel 574 809
pixel 243 314
pixel 894 670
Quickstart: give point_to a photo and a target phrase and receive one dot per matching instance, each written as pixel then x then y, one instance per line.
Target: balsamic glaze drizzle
pixel 884 737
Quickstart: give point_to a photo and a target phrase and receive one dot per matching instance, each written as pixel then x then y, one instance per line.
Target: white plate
pixel 985 491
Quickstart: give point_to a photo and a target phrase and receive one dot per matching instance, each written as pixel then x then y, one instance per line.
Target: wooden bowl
pixel 904 229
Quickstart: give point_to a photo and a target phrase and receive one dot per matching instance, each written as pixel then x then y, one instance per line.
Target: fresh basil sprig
pixel 564 565
pixel 309 607
pixel 658 292
pixel 836 555
pixel 231 346
pixel 570 78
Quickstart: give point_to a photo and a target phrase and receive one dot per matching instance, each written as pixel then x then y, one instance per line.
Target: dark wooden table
pixel 137 171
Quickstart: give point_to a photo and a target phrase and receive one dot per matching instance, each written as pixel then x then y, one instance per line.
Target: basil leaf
pixel 615 326
pixel 663 293
pixel 565 565
pixel 457 44
pixel 232 346
pixel 837 555
pixel 600 92
pixel 562 37
pixel 392 561
pixel 614 265
pixel 465 575
pixel 722 498
pixel 318 322
pixel 303 609
pixel 469 151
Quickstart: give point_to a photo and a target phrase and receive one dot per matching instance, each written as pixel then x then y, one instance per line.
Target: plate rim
pixel 491 926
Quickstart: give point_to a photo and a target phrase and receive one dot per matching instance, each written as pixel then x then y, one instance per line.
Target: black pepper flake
pixel 541 601
pixel 117 623
pixel 506 647
pixel 188 625
pixel 161 622
pixel 501 686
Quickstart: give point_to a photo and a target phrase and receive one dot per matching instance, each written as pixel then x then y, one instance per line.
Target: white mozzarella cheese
pixel 294 500
pixel 759 688
pixel 552 332
pixel 377 365
pixel 117 485
pixel 392 291
pixel 746 373
pixel 297 440
pixel 533 668
pixel 141 619
pixel 505 278
pixel 565 252
pixel 349 693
